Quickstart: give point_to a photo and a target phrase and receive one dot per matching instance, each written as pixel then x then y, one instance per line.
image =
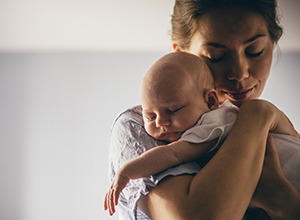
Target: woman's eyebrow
pixel 254 38
pixel 218 45
pixel 213 44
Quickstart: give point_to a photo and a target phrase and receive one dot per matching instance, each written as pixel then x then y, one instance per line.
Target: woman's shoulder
pixel 128 131
pixel 130 115
pixel 129 125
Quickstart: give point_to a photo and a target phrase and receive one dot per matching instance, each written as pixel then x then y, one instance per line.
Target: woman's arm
pixel 274 192
pixel 224 187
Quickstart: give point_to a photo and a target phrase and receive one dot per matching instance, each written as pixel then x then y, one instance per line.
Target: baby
pixel 181 107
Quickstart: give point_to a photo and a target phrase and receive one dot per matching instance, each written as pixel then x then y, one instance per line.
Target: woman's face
pixel 236 45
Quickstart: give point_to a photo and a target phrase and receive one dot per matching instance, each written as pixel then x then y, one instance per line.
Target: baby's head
pixel 176 91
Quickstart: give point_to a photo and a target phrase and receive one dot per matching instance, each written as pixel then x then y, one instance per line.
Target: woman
pixel 236 38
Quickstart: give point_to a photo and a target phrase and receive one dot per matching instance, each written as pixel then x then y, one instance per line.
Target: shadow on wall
pixel 12 152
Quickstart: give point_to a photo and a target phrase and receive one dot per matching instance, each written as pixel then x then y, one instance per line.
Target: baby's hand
pixel 111 198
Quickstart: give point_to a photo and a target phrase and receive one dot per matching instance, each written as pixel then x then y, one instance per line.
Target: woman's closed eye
pixel 216 59
pixel 255 54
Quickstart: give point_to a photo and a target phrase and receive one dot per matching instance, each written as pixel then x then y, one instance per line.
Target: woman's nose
pixel 238 70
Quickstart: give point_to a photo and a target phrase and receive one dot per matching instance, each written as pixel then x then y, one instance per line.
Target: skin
pixel 176 92
pixel 285 203
pixel 221 185
pixel 168 111
pixel 239 57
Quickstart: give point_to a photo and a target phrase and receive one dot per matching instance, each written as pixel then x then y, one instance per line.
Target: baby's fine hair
pixel 179 66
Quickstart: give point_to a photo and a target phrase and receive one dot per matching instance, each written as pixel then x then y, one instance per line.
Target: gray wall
pixel 55 117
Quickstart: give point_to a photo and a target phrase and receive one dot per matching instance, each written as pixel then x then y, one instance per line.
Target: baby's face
pixel 168 113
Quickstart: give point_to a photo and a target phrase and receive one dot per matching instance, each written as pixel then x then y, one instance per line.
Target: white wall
pixel 60 25
pixel 38 25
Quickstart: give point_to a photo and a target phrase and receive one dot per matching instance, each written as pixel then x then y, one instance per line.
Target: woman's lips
pixel 241 95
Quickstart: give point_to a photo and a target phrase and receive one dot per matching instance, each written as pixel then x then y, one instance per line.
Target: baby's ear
pixel 212 99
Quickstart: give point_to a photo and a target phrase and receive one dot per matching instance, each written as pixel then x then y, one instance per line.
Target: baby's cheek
pixel 151 130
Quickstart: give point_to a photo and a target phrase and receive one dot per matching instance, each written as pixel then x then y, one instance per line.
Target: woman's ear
pixel 212 99
pixel 176 47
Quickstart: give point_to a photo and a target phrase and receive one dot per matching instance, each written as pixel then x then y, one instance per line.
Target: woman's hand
pixel 279 122
pixel 274 193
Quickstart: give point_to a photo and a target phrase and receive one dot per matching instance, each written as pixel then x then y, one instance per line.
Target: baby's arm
pixel 163 157
pixel 153 161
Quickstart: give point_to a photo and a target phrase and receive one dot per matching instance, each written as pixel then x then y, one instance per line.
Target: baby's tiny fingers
pixel 111 202
pixel 114 197
pixel 105 202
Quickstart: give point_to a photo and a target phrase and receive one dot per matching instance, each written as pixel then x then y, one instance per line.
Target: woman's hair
pixel 187 12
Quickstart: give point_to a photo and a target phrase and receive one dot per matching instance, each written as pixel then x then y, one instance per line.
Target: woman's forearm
pixel 233 173
pixel 274 192
pixel 285 203
pixel 228 181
